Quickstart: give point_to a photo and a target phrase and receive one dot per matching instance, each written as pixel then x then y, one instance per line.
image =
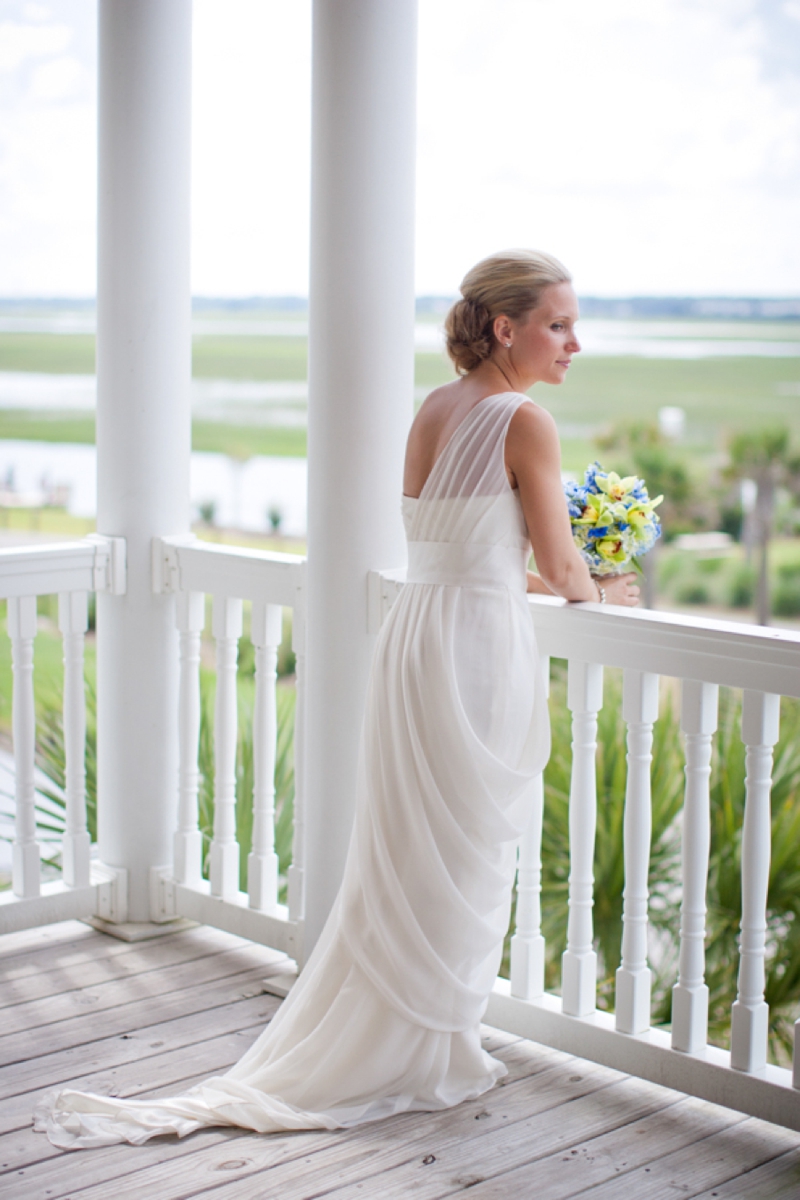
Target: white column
pixel 579 961
pixel 690 994
pixel 223 855
pixel 73 621
pixel 188 840
pixel 640 711
pixel 750 1015
pixel 262 861
pixel 25 871
pixel 527 944
pixel 143 420
pixel 360 386
pixel 295 877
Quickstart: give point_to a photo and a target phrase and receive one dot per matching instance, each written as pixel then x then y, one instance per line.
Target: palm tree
pixel 766 458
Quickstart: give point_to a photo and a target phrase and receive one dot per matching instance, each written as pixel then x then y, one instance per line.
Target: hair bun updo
pixel 509 283
pixel 468 329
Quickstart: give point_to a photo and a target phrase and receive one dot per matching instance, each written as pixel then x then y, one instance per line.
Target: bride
pixel 385 1016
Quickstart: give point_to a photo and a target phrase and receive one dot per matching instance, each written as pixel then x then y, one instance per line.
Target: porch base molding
pixel 139 931
pixel 106 897
pixel 767 1094
pixel 170 899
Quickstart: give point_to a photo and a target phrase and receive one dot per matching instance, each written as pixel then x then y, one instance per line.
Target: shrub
pixel 741 586
pixel 709 566
pixel 692 592
pixel 786 597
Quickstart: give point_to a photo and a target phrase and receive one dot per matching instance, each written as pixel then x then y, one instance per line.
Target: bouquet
pixel 613 520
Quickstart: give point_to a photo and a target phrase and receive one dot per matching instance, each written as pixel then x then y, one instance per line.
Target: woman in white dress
pixel 385 1015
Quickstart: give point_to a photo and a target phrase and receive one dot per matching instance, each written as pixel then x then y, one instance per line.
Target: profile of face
pixel 543 342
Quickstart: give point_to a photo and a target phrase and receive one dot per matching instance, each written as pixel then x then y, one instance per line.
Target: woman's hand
pixel 621 589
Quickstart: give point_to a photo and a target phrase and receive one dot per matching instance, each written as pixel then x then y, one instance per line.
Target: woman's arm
pixel 533 456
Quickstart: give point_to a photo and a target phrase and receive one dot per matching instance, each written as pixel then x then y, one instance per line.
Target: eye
pixel 558 325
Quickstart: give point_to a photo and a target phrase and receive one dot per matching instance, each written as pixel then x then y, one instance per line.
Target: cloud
pixel 647 144
pixel 654 147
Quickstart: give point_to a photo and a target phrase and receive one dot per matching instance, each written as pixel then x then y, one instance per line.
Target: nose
pixel 574 345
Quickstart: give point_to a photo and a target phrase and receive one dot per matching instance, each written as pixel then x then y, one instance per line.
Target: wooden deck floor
pixel 80 1007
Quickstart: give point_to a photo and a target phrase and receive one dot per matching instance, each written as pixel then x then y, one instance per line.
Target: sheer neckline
pixel 457 430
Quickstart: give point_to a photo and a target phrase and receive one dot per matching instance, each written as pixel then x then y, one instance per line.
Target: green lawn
pixel 52 353
pixel 719 394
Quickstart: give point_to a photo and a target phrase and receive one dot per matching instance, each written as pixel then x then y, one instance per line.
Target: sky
pixel 653 145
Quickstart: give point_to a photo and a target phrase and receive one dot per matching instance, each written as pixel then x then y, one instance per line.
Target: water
pixel 648 339
pixel 242 493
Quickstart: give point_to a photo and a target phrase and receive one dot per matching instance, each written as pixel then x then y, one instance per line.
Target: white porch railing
pixel 271 582
pixel 703 654
pixel 190 569
pixel 764 663
pixel 70 570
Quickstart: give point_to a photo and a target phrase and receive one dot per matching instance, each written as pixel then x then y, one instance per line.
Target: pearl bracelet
pixel 601 591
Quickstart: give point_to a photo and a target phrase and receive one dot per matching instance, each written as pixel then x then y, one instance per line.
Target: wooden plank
pixel 601 1165
pixel 30 940
pixel 167 1071
pixel 60 978
pixel 444 1166
pixel 111 1162
pixel 368 1153
pixel 394 1166
pixel 167 1178
pixel 118 1021
pixel 723 1156
pixel 64 1067
pixel 89 945
pixel 775 1180
pixel 137 1044
pixel 51 1010
pixel 23 1148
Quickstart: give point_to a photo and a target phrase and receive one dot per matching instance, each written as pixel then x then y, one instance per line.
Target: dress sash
pixel 467 564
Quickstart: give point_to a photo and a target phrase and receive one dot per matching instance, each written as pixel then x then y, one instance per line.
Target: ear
pixel 501 327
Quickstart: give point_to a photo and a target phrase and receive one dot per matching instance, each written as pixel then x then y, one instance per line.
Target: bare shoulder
pixel 531 426
pixel 436 405
pixel 428 430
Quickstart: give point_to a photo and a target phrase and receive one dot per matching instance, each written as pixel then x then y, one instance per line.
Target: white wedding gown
pixel 385 1016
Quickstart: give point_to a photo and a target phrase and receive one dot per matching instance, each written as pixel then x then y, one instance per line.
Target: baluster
pixel 579 962
pixel 690 994
pixel 750 1018
pixel 527 944
pixel 262 862
pixel 73 621
pixel 796 1056
pixel 25 871
pixel 296 877
pixel 639 710
pixel 187 843
pixel 224 854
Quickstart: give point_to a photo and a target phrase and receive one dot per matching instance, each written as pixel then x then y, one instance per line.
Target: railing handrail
pixel 93 564
pixel 672 644
pixel 189 565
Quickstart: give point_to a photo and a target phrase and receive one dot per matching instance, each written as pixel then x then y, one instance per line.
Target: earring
pixel 508 345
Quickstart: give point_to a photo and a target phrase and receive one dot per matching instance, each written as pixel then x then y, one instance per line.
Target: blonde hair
pixel 510 282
